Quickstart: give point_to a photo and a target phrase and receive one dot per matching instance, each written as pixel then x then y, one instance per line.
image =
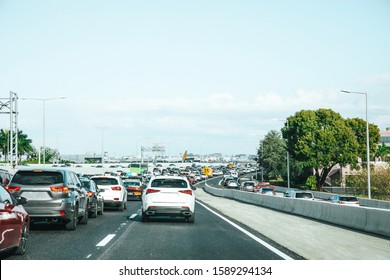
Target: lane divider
pixel 105 240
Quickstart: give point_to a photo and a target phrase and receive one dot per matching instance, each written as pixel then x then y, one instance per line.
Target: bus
pixel 138 168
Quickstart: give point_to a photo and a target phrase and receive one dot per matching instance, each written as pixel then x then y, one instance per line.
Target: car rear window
pixel 304 195
pixel 164 183
pixel 38 178
pixel 132 183
pixel 105 181
pixel 348 198
pixel 267 190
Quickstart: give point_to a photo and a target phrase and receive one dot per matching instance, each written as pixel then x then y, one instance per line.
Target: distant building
pixel 385 136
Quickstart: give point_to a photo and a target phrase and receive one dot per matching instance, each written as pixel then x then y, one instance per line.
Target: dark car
pixel 54 196
pixel 14 223
pixel 5 177
pixel 134 188
pixel 95 201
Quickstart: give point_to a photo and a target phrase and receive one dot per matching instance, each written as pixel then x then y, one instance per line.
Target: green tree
pixel 272 154
pixel 380 183
pixel 320 139
pixel 383 151
pixel 359 128
pixel 24 145
pixel 4 139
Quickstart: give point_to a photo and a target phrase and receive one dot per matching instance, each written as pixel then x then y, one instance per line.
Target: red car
pixel 14 223
pixel 261 185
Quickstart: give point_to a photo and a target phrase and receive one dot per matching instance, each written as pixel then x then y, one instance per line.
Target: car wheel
pixel 145 218
pixel 84 218
pixel 101 209
pixel 23 241
pixel 192 218
pixel 122 206
pixel 72 224
pixel 95 211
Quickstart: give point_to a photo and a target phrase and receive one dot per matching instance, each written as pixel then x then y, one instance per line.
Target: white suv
pixel 114 192
pixel 168 196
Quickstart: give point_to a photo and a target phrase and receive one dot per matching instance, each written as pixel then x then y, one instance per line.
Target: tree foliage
pixel 272 156
pixel 24 144
pixel 320 139
pixel 380 183
pixel 358 126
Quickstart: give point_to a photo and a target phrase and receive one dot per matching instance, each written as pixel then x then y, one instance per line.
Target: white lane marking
pixel 105 240
pixel 89 256
pixel 133 216
pixel 254 237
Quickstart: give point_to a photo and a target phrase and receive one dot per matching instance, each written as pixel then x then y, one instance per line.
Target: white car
pixel 115 193
pixel 233 184
pixel 168 196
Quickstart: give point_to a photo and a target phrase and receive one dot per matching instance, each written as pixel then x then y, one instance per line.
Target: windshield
pixel 170 183
pixel 105 181
pixel 304 195
pixel 348 198
pixel 37 178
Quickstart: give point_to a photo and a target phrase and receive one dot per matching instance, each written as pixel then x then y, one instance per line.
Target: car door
pixel 11 221
pixel 82 193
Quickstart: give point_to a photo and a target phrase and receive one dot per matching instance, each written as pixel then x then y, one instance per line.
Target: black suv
pixel 54 196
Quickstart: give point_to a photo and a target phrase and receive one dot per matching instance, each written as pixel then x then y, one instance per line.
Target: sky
pixel 206 76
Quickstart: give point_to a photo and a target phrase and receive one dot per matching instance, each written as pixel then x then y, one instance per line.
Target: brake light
pixel 134 189
pixel 60 189
pixel 12 188
pixel 90 193
pixel 186 192
pixel 341 202
pixel 116 188
pixel 151 191
pixel 62 213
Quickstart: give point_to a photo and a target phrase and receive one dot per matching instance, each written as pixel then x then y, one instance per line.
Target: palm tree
pixel 4 142
pixel 24 145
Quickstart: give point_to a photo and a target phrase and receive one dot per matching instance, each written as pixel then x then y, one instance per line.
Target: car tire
pixel 145 218
pixel 84 218
pixel 72 224
pixel 21 249
pixel 122 206
pixel 95 211
pixel 191 219
pixel 101 209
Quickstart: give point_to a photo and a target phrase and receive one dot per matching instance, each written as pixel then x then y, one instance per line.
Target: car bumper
pixel 169 211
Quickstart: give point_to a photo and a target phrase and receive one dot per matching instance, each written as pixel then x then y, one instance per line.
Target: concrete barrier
pixel 371 220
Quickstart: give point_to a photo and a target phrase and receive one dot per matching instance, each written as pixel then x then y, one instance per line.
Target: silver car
pixel 54 196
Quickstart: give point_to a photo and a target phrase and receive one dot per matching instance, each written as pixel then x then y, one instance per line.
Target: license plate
pixel 135 193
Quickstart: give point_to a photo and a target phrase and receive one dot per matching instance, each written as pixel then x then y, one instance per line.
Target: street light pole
pixel 43 122
pixel 367 142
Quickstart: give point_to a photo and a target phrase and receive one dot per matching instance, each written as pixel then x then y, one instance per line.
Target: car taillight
pixel 151 191
pixel 62 213
pixel 90 193
pixel 341 202
pixel 134 189
pixel 13 188
pixel 116 188
pixel 186 192
pixel 61 189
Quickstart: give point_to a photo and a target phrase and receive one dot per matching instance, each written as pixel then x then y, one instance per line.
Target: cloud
pixel 377 80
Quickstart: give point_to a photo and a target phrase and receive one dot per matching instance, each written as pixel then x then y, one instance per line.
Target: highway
pixel 223 230
pixel 122 236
